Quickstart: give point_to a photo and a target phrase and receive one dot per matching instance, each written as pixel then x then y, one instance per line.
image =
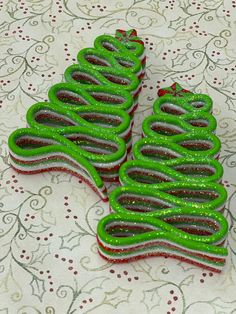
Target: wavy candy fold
pixel 85 128
pixel 171 201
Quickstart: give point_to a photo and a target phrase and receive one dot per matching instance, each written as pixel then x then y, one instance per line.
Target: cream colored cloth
pixel 48 257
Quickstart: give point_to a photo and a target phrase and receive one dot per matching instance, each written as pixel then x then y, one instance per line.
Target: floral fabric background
pixel 48 258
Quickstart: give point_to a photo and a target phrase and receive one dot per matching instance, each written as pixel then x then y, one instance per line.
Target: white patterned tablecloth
pixel 48 258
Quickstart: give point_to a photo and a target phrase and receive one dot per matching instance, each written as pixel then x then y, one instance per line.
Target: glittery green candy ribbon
pixel 170 233
pixel 104 151
pixel 70 96
pixel 85 129
pixel 162 150
pixel 149 172
pixel 111 63
pixel 170 203
pixel 99 118
pixel 182 107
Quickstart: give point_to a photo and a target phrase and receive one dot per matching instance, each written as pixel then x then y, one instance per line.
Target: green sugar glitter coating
pixel 185 103
pixel 169 172
pixel 85 93
pixel 158 186
pixel 162 193
pixel 175 148
pixel 136 48
pixel 111 60
pixel 176 235
pixel 184 130
pixel 59 145
pixel 74 117
pixel 182 125
pixel 85 118
pixel 130 81
pixel 63 140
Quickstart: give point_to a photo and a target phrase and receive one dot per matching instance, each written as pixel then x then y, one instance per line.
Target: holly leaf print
pixel 95 283
pixel 40 254
pixel 151 298
pixel 117 296
pixel 179 60
pixel 175 24
pixel 142 267
pixel 71 240
pixel 37 287
pixel 187 281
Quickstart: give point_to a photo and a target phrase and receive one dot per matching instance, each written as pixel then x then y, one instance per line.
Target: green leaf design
pixel 151 298
pixel 37 287
pixel 142 267
pixel 71 240
pixel 47 217
pixel 40 228
pixel 216 306
pixel 175 24
pixel 117 296
pixel 95 283
pixel 40 254
pixel 187 281
pixel 179 60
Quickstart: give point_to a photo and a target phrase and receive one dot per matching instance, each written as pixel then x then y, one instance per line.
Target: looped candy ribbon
pixel 86 127
pixel 99 118
pixel 150 198
pixel 170 203
pixel 37 150
pixel 185 169
pixel 182 107
pixel 191 145
pixel 191 236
